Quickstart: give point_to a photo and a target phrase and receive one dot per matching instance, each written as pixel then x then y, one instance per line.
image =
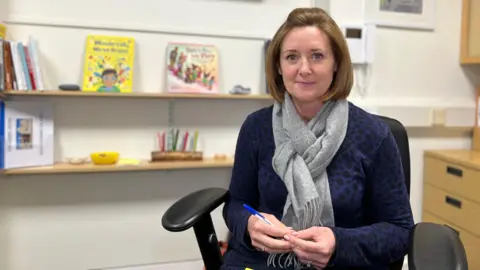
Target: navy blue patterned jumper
pixel 373 217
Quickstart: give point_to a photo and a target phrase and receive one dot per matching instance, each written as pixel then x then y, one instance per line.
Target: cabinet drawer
pixel 456 179
pixel 470 241
pixel 452 208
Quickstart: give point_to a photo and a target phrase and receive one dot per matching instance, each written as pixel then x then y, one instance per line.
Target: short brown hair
pixel 300 17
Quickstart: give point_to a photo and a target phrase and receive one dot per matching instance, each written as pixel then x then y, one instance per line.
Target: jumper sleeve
pixel 243 184
pixel 386 239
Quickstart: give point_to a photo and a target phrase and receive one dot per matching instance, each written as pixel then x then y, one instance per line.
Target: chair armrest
pixel 436 246
pixel 187 211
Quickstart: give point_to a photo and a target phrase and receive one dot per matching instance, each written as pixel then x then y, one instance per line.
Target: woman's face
pixel 307 63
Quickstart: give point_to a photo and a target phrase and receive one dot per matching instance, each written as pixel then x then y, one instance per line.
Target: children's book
pixel 108 64
pixel 27 134
pixel 3 31
pixel 192 68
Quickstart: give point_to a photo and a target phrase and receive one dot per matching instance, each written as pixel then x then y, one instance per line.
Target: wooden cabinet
pixel 451 196
pixel 470 33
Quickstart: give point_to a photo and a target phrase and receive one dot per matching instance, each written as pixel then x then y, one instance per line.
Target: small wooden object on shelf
pixel 158 156
pixel 220 157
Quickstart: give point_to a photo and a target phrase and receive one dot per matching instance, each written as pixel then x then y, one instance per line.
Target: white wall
pixel 93 221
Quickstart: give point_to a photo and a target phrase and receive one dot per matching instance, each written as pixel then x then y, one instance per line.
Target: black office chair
pixel 432 246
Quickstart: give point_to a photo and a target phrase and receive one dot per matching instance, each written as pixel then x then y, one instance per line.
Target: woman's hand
pixel 313 246
pixel 268 238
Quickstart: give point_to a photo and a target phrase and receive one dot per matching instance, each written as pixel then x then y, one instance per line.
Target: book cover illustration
pixel 192 68
pixel 108 64
pixel 23 136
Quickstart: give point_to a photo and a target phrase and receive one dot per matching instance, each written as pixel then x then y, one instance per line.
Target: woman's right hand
pixel 268 238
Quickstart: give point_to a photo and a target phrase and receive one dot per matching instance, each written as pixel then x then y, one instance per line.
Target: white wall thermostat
pixel 360 39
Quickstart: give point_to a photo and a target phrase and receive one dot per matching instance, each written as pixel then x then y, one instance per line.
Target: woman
pixel 325 172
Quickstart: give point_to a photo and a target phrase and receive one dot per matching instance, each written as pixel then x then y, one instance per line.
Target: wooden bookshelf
pixel 157 95
pixel 65 168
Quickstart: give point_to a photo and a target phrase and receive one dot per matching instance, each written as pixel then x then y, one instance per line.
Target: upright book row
pixel 19 65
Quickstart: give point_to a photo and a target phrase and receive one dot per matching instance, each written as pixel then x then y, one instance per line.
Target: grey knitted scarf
pixel 303 152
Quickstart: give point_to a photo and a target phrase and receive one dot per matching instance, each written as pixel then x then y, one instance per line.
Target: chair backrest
pixel 401 138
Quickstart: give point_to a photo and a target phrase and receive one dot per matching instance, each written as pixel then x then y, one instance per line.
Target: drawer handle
pixel 454 171
pixel 454 202
pixel 457 232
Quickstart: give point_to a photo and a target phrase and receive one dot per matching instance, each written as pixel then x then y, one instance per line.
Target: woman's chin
pixel 306 96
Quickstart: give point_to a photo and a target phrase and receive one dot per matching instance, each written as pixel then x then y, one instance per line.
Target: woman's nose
pixel 305 67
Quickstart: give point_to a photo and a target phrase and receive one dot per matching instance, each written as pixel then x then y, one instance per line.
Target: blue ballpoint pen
pixel 257 214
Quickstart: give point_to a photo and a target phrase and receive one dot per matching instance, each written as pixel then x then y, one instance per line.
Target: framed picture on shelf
pixel 410 14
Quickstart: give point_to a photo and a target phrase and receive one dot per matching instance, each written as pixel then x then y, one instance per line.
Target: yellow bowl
pixel 104 158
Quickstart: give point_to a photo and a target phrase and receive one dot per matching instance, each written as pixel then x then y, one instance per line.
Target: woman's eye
pixel 291 57
pixel 317 56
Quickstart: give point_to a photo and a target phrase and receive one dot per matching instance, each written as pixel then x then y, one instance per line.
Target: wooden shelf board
pixel 159 95
pixel 470 60
pixel 146 166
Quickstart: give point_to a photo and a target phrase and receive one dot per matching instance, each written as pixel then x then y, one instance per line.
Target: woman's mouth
pixel 306 83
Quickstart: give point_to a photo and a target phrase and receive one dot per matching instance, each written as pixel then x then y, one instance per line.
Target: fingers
pixel 305 245
pixel 261 247
pixel 308 234
pixel 277 225
pixel 270 230
pixel 275 231
pixel 263 240
pixel 275 221
pixel 275 244
pixel 268 238
pixel 316 260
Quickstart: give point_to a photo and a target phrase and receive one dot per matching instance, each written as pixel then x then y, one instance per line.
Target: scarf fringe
pixel 311 215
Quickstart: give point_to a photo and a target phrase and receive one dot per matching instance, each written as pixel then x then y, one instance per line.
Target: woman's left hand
pixel 313 246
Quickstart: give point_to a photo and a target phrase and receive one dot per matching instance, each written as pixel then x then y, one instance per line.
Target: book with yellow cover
pixel 108 64
pixel 3 31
